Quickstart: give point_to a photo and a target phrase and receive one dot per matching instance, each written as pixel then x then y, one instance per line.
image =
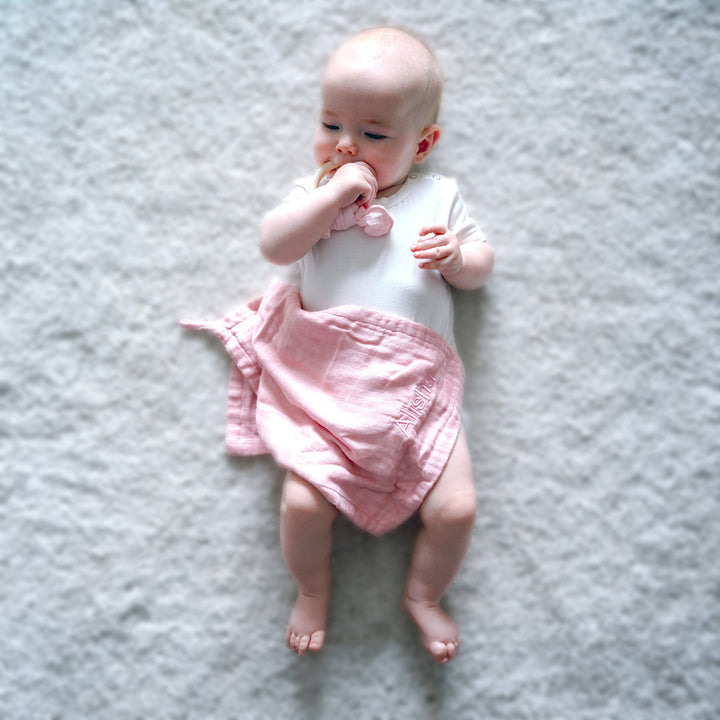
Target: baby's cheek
pixel 320 149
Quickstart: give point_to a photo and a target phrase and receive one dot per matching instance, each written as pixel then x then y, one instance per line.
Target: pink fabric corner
pixel 241 436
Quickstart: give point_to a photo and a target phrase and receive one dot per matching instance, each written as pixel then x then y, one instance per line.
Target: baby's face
pixel 369 114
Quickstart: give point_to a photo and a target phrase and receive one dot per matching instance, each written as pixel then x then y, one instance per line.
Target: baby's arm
pixel 466 266
pixel 291 230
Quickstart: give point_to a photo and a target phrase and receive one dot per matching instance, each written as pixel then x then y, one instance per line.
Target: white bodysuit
pixel 352 268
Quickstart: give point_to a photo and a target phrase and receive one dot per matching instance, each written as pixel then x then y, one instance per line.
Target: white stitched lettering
pixel 410 413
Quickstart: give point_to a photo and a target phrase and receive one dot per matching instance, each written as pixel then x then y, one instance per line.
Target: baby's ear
pixel 428 138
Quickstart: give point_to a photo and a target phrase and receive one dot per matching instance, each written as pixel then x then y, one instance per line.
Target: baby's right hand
pixel 354 182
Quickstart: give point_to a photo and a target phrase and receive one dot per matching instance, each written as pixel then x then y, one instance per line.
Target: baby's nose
pixel 347 146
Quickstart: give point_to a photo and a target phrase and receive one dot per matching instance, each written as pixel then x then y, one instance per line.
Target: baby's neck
pixel 388 191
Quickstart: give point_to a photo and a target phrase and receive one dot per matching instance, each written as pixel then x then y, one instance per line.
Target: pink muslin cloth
pixel 362 404
pixel 375 220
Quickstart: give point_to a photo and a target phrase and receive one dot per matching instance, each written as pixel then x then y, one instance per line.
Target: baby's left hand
pixel 440 250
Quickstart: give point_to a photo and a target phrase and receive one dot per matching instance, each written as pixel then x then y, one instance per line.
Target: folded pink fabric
pixel 375 220
pixel 362 404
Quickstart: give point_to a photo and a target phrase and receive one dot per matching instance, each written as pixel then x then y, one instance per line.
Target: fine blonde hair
pixel 417 53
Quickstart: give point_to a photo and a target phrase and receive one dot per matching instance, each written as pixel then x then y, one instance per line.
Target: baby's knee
pixel 302 501
pixel 456 511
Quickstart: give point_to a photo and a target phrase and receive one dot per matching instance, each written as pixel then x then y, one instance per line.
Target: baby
pixel 380 99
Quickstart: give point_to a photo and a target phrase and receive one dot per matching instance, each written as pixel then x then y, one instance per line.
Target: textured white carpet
pixel 140 143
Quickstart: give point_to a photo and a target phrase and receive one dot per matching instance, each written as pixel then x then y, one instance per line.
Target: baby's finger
pixel 371 186
pixel 444 265
pixel 428 241
pixel 433 253
pixel 433 265
pixel 369 193
pixel 437 229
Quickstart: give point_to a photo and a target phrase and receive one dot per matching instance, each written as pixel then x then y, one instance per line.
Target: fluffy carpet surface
pixel 140 144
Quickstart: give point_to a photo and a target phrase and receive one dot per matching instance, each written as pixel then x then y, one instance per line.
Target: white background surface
pixel 140 144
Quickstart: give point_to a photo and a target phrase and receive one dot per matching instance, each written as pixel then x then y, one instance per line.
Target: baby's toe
pixel 439 651
pixel 303 642
pixel 316 640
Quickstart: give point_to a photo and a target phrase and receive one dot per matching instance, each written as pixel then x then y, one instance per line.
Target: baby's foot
pixel 437 629
pixel 306 627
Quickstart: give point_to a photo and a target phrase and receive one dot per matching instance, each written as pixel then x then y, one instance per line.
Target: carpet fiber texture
pixel 140 144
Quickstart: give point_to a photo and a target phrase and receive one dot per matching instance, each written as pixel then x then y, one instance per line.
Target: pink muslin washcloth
pixel 362 404
pixel 375 220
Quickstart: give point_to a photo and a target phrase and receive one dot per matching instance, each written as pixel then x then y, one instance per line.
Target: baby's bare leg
pixel 306 538
pixel 448 517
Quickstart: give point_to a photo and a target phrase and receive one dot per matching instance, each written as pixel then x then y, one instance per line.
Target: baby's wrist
pixel 454 272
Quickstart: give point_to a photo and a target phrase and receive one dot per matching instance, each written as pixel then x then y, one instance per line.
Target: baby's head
pixel 381 94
